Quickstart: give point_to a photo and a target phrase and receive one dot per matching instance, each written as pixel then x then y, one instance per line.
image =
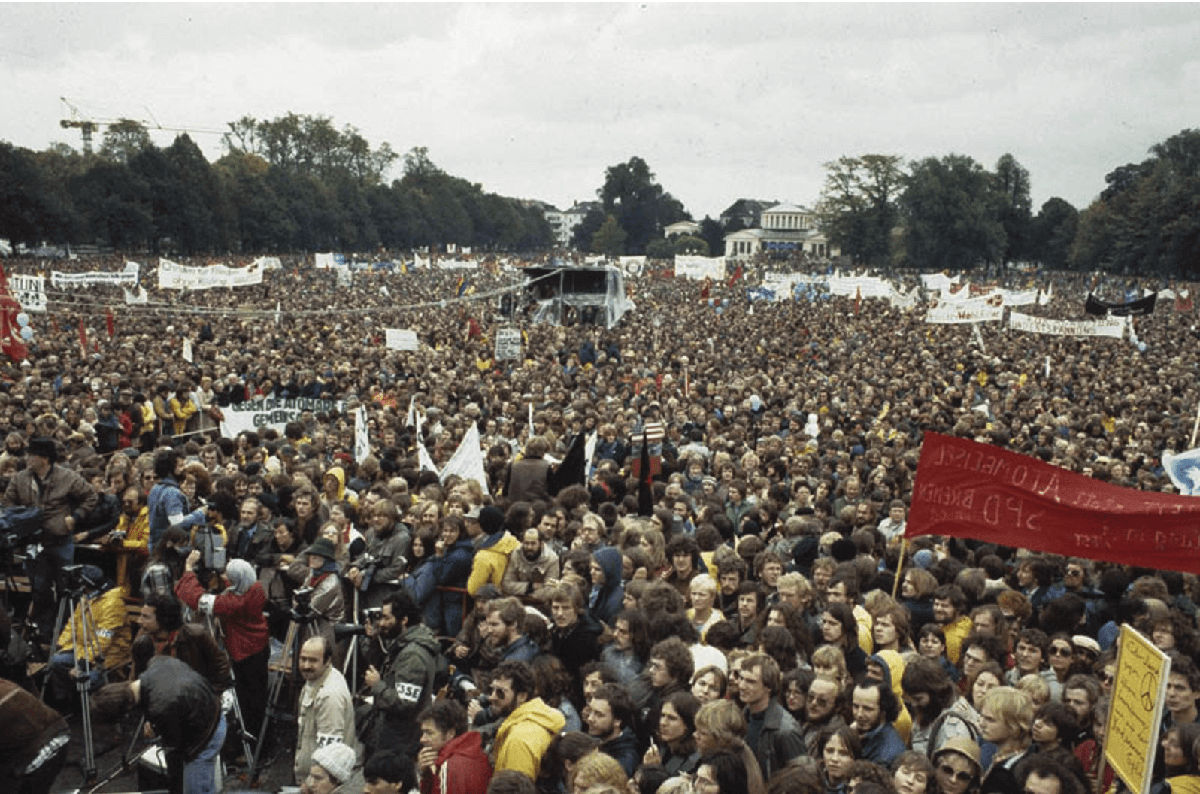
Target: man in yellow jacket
pixel 101 620
pixel 529 724
pixel 492 550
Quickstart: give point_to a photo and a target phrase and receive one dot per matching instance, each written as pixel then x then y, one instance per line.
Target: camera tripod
pixel 289 667
pixel 81 667
pixel 217 630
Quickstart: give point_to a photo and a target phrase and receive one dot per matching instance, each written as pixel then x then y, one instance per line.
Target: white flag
pixel 1184 470
pixel 133 298
pixel 362 435
pixel 467 461
pixel 410 420
pixel 531 419
pixel 187 350
pixel 423 457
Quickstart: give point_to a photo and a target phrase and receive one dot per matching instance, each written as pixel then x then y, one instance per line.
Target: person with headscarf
pixel 247 640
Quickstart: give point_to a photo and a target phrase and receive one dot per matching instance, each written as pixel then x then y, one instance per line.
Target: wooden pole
pixel 899 567
pixel 1195 426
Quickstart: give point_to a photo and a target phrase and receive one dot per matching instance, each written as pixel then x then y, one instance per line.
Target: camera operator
pixel 65 498
pixel 108 634
pixel 163 633
pixel 376 573
pixel 240 608
pixel 322 589
pixel 403 684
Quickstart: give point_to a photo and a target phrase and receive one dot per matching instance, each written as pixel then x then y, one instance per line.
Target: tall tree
pixel 1052 233
pixel 1012 180
pixel 640 205
pixel 609 239
pixel 857 209
pixel 123 140
pixel 952 214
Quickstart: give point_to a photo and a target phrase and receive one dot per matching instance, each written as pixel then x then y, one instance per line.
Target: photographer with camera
pixel 240 608
pixel 403 683
pixel 376 572
pixel 65 499
pixel 164 633
pixel 320 599
pixel 98 636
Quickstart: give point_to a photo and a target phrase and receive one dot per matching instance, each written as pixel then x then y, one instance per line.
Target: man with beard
pixel 875 708
pixel 822 712
pixel 949 610
pixel 405 684
pixel 529 725
pixel 938 712
pixel 249 537
pixel 326 705
pixel 530 567
pixel 609 714
pixel 130 539
pixel 388 543
pixel 504 627
pixel 167 504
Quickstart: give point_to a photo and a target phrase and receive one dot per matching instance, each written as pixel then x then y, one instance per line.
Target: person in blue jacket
pixel 607 596
pixel 453 555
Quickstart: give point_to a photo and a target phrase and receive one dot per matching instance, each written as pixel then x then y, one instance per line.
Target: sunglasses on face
pixel 1058 650
pixel 961 777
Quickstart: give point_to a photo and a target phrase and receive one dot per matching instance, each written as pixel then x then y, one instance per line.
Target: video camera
pixel 208 542
pixel 19 526
pixel 84 578
pixel 302 609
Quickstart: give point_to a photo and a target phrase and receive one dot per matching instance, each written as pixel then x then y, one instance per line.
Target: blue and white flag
pixel 1184 470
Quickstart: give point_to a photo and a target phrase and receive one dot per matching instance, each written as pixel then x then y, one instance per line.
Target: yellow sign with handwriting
pixel 1139 690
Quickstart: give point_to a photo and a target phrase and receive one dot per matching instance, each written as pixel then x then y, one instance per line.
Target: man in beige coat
pixel 326 705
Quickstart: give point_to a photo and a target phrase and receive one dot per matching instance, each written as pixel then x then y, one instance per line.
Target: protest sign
pixel 271 412
pixel 29 291
pixel 970 311
pixel 1109 326
pixel 970 490
pixel 172 275
pixel 1139 691
pixel 128 276
pixel 362 435
pixel 508 344
pixel 401 339
pixel 699 267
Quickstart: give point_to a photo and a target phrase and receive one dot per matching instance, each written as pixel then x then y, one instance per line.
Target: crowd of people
pixel 746 617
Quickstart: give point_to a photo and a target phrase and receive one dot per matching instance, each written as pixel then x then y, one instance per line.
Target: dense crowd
pixel 738 625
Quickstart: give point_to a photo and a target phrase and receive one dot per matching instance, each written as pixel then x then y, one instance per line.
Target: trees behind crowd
pixel 289 184
pixel 951 212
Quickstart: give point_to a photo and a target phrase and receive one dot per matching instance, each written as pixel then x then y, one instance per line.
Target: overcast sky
pixel 722 100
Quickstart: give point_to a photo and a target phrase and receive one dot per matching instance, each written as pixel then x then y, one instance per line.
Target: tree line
pixel 952 213
pixel 294 183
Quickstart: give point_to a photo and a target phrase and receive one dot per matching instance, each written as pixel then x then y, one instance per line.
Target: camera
pixel 302 610
pixel 212 548
pixel 372 615
pixel 368 565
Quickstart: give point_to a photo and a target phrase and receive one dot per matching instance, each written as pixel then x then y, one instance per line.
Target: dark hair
pixel 847 734
pixel 729 770
pixel 926 676
pixel 520 674
pixel 1047 766
pixel 954 594
pixel 446 715
pixel 165 461
pixel 168 612
pixel 112 702
pixel 889 705
pixel 844 614
pixel 618 699
pixel 392 767
pixel 404 607
pixel 639 632
pixel 1063 719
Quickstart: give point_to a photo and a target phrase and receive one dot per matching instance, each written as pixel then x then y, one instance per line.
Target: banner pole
pixel 1108 727
pixel 1195 426
pixel 899 566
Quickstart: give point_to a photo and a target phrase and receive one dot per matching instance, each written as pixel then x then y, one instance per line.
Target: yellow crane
pixel 88 126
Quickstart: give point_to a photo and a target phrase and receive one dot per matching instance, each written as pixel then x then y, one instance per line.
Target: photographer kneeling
pixel 240 607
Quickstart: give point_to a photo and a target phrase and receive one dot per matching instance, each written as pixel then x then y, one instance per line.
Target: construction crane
pixel 89 126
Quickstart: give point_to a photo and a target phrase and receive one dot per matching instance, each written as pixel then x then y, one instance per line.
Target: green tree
pixel 952 212
pixel 35 206
pixel 123 140
pixel 115 203
pixel 690 244
pixel 640 205
pixel 858 206
pixel 610 238
pixel 1012 180
pixel 660 249
pixel 581 237
pixel 714 235
pixel 1052 233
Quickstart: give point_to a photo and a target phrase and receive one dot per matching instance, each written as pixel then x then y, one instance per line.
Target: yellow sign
pixel 1139 690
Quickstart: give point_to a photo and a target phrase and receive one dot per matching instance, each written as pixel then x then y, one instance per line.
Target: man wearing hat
pixel 957 766
pixel 65 499
pixel 492 554
pixel 333 771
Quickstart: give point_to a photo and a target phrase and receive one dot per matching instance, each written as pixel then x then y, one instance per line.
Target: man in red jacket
pixel 451 760
pixel 240 608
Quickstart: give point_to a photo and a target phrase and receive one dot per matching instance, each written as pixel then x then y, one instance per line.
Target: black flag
pixel 573 469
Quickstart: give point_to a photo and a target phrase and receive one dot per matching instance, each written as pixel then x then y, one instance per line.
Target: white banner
pixel 1105 326
pixel 29 291
pixel 700 267
pixel 327 261
pixel 458 264
pixel 271 412
pixel 467 461
pixel 964 312
pixel 1026 297
pixel 175 276
pixel 903 300
pixel 400 339
pixel 508 344
pixel 937 281
pixel 420 261
pixel 134 298
pixel 632 265
pixel 122 277
pixel 362 436
pixel 269 262
pixel 867 286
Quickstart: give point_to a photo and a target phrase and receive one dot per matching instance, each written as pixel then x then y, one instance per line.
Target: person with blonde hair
pixel 597 769
pixel 1005 720
pixel 721 725
pixel 702 595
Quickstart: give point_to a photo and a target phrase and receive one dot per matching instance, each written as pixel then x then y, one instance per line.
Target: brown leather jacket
pixel 194 645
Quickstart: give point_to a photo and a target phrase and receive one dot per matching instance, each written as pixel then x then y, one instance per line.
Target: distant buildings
pixel 782 228
pixel 564 222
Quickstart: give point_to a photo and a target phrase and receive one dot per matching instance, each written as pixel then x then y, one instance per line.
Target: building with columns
pixel 784 228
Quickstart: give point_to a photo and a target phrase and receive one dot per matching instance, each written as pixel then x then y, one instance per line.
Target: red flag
pixel 112 323
pixel 736 275
pixel 970 490
pixel 1183 300
pixel 82 338
pixel 11 343
pixel 704 289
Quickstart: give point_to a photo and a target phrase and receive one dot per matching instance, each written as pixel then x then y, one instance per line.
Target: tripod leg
pixel 290 645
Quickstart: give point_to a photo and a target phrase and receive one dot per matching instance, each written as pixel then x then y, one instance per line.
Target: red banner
pixel 969 490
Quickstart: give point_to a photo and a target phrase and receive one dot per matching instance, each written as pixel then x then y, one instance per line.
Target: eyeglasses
pixel 961 777
pixel 1108 678
pixel 1073 572
pixel 1059 650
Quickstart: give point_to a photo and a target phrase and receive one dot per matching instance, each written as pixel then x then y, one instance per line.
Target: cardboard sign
pixel 508 344
pixel 401 339
pixel 1139 691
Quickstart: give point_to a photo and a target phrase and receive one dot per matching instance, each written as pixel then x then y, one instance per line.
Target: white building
pixel 680 228
pixel 785 227
pixel 564 222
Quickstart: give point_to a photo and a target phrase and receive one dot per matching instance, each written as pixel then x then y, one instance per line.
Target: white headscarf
pixel 241 576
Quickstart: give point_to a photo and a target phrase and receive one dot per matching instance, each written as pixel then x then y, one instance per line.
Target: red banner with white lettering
pixel 966 489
